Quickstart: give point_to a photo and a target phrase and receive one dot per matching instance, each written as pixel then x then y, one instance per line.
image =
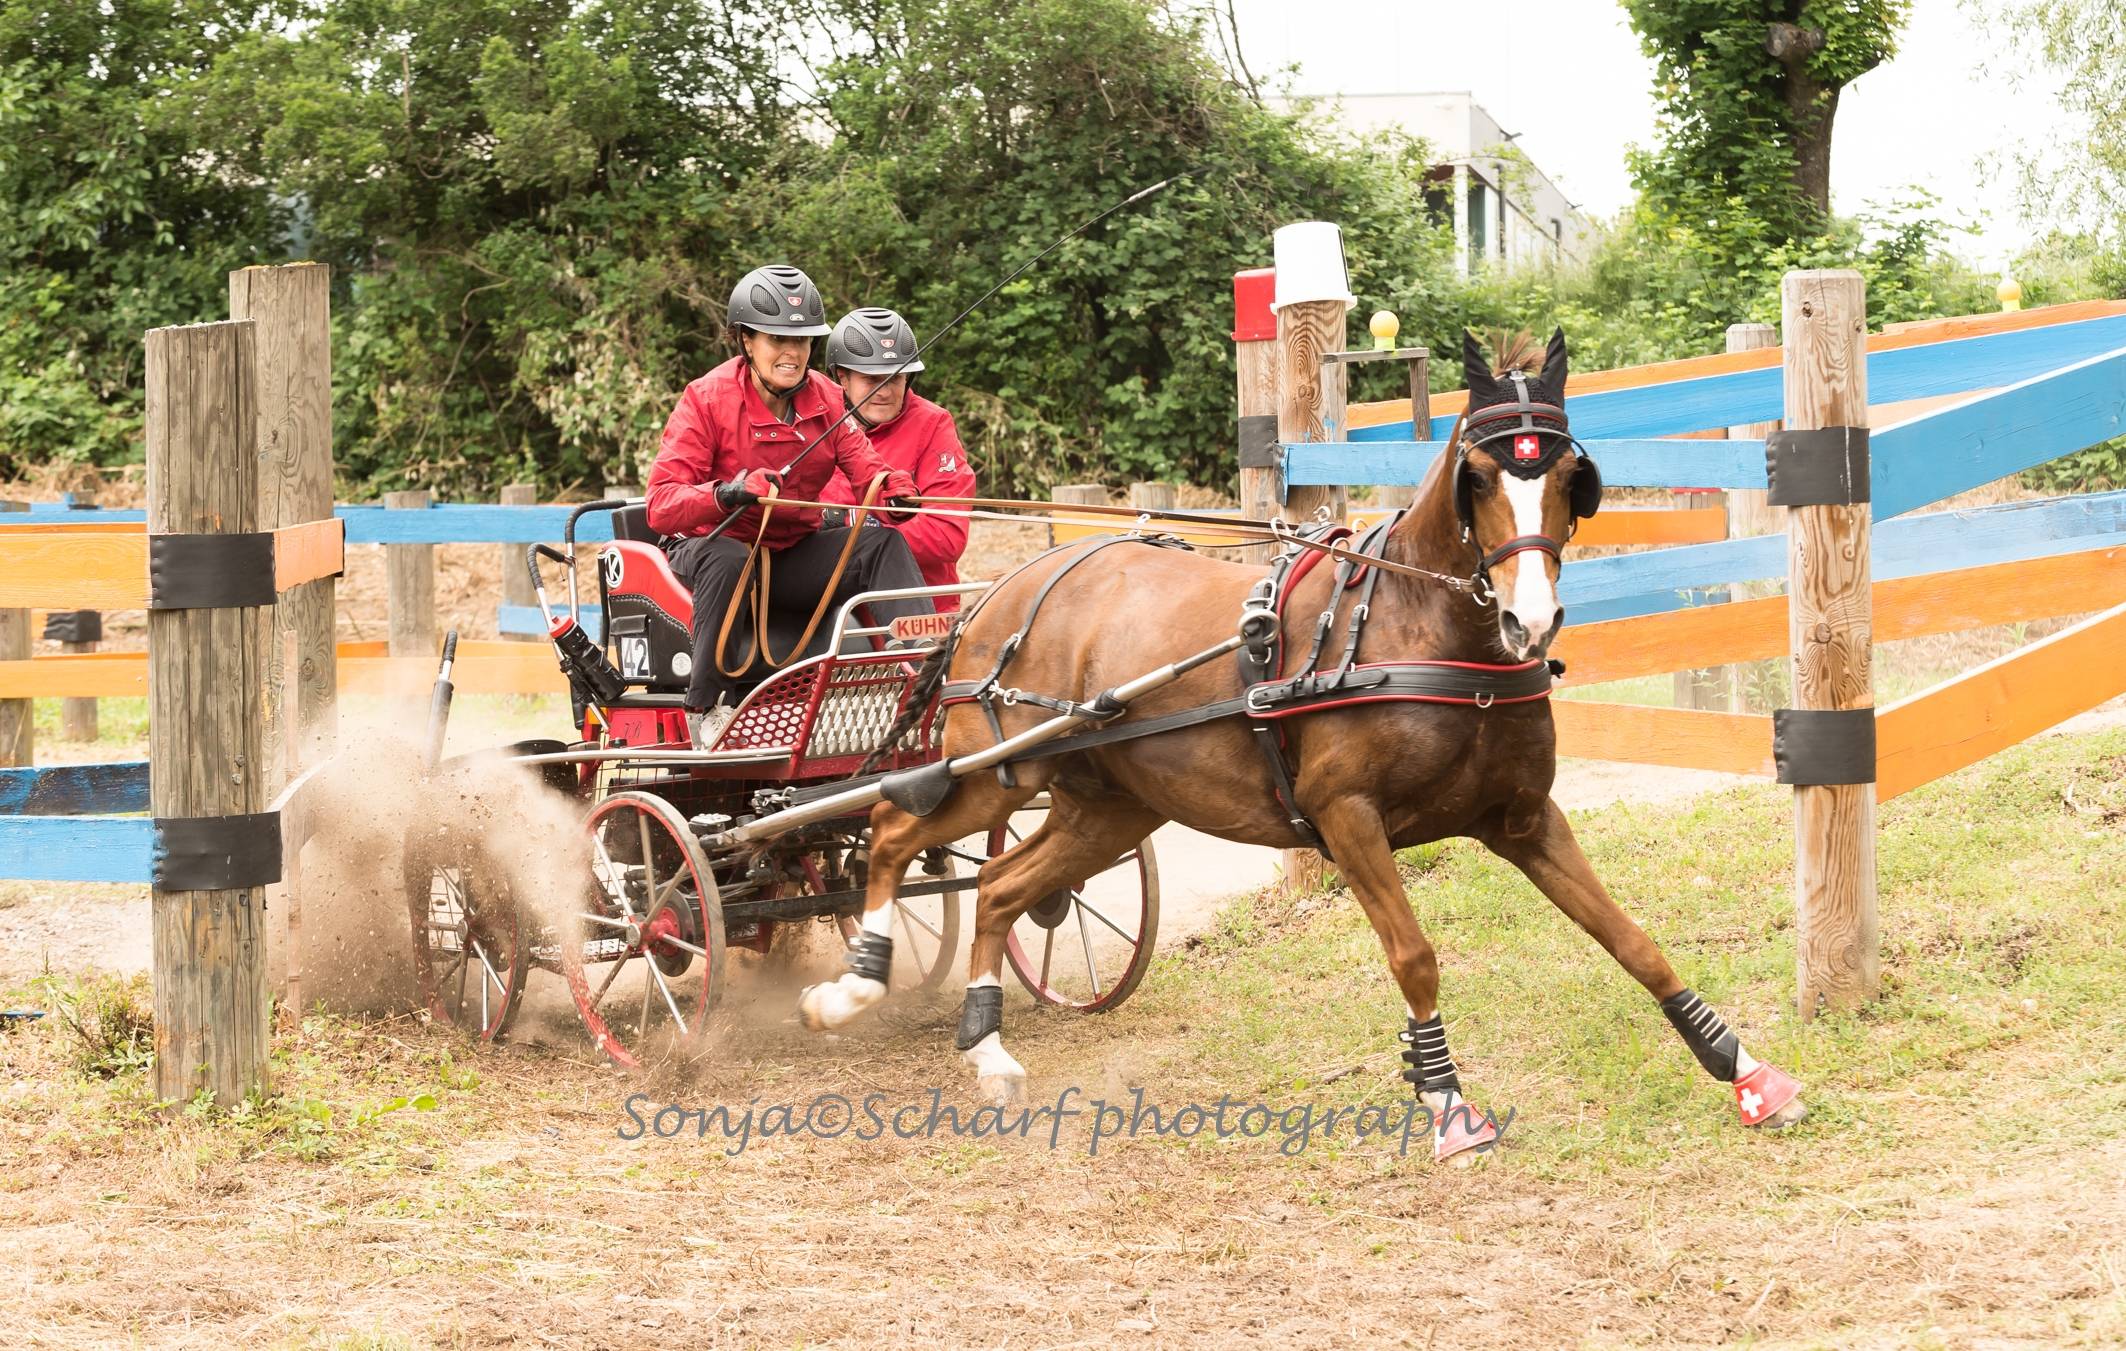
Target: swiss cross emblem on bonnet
pixel 1526 447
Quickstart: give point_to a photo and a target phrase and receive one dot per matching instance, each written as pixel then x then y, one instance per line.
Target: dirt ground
pixel 1959 1187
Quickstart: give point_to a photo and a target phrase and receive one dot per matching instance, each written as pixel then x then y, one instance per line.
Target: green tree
pixel 967 134
pixel 528 203
pixel 1748 94
pixel 2082 44
pixel 112 217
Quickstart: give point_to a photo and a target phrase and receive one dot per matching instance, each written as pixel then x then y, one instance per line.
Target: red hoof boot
pixel 1763 1095
pixel 1464 1131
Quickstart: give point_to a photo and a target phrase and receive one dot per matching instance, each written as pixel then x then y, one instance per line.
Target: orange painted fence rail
pixel 103 568
pixel 483 667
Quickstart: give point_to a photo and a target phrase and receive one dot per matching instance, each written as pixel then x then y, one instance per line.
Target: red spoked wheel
pixel 469 949
pixel 644 954
pixel 1085 948
pixel 925 930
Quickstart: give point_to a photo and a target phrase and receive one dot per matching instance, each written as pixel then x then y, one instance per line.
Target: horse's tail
pixel 921 692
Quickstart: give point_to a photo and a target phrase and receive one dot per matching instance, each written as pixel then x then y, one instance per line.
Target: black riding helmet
pixel 777 298
pixel 872 341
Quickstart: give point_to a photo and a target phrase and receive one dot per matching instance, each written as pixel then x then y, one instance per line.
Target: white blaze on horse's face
pixel 1527 593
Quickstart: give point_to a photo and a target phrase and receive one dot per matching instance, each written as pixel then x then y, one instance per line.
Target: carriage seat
pixel 649 613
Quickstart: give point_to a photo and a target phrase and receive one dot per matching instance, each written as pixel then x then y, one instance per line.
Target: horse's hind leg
pixel 1544 849
pixel 1355 834
pixel 897 837
pixel 1084 832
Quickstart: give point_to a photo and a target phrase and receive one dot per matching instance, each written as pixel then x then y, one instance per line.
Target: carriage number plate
pixel 922 626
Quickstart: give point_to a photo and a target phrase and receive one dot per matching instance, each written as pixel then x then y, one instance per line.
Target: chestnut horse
pixel 1478 586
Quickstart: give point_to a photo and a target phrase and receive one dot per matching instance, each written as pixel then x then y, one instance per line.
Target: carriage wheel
pixel 645 956
pixel 469 950
pixel 1085 948
pixel 925 931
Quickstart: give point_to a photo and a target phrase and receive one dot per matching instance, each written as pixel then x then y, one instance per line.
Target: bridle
pixel 1538 434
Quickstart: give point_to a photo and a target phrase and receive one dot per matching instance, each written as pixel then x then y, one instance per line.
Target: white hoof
pixel 998 1077
pixel 1007 1091
pixel 835 1003
pixel 1790 1115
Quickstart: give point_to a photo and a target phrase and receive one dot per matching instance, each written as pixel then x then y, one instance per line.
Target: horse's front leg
pixel 1540 843
pixel 1356 836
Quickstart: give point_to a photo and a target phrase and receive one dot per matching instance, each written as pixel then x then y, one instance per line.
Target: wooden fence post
pixel 411 572
pixel 1420 373
pixel 204 678
pixel 516 584
pixel 1310 398
pixel 1255 363
pixel 1154 496
pixel 1830 632
pixel 77 717
pixel 1075 494
pixel 292 308
pixel 1313 302
pixel 1748 514
pixel 17 716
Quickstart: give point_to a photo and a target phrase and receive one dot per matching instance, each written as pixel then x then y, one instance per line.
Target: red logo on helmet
pixel 797 300
pixel 1527 448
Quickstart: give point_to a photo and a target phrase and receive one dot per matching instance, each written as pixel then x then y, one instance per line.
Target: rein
pixel 765 558
pixel 1277 531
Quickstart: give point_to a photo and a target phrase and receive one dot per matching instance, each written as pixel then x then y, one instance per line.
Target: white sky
pixel 1568 75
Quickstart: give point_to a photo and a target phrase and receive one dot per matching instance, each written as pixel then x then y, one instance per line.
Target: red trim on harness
pixel 1300 568
pixel 1472 702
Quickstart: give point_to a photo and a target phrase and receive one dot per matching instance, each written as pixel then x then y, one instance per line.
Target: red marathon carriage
pixel 643 946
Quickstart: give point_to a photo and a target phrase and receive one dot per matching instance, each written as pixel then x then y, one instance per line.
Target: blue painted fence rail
pixel 1638 462
pixel 1647 583
pixel 74 790
pixel 1755 396
pixel 77 848
pixel 527 619
pixel 451 523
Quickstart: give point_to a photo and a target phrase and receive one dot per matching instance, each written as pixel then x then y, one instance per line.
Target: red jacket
pixel 722 429
pixel 922 442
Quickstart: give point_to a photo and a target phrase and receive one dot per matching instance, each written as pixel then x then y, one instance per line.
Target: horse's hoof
pixel 1005 1091
pixel 1464 1137
pixel 809 1011
pixel 1790 1115
pixel 1767 1096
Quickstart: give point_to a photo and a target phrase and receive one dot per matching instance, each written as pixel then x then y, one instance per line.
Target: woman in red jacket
pixel 723 452
pixel 864 353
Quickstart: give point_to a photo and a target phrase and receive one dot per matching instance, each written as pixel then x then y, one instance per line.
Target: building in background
pixel 1505 210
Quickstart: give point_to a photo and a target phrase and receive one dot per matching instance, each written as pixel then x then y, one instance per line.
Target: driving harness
pixel 1267 695
pixel 1524 434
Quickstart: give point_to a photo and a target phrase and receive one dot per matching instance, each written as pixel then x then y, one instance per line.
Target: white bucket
pixel 1310 264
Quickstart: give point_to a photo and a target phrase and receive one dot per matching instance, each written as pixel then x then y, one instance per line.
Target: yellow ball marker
pixel 1384 326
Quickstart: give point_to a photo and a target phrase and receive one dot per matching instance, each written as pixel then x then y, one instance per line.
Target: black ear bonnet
pixel 1521 421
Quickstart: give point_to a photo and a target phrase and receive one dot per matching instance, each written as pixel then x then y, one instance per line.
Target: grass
pixel 1959 1180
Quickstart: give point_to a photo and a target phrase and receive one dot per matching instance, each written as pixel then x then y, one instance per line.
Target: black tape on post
pixel 1258 442
pixel 210 572
pixel 217 853
pixel 1827 468
pixel 1814 747
pixel 73 626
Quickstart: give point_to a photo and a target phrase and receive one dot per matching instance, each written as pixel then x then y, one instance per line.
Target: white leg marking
pixel 834 1003
pixel 998 1076
pixel 1534 601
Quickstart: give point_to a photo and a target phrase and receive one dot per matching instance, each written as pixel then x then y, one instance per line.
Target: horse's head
pixel 1520 485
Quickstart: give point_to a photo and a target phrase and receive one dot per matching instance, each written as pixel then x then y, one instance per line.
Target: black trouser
pixel 879 562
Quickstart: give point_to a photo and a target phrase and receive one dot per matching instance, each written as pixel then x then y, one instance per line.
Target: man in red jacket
pixel 724 451
pixel 865 353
